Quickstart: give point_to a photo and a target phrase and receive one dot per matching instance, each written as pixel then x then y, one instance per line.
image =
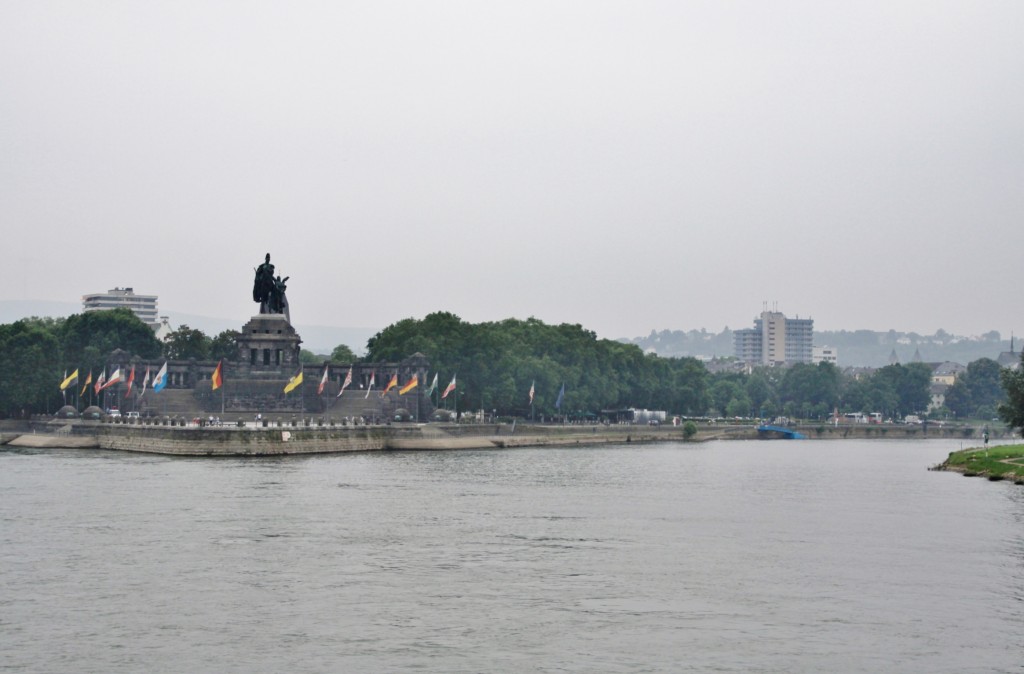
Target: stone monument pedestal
pixel 268 344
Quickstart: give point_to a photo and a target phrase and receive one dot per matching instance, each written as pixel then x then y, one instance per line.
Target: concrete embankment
pixel 39 440
pixel 283 441
pixel 303 439
pixel 309 438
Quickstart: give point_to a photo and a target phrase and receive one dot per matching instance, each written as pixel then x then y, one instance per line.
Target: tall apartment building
pixel 775 340
pixel 144 306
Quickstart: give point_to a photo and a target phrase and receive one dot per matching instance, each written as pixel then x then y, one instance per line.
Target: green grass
pixel 1002 462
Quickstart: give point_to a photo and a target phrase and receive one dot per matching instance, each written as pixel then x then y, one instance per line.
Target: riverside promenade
pixel 311 437
pixel 315 436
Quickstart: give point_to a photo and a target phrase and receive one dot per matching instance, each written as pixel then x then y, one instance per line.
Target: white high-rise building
pixel 775 340
pixel 143 306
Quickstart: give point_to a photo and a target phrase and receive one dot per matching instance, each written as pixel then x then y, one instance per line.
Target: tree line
pixel 497 364
pixel 37 352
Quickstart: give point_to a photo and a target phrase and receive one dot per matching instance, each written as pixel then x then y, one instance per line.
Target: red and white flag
pixel 448 389
pixel 115 377
pixel 98 386
pixel 345 384
pixel 145 383
pixel 131 380
pixel 323 380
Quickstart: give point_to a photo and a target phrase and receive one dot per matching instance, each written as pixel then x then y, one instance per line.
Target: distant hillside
pixel 677 344
pixel 856 348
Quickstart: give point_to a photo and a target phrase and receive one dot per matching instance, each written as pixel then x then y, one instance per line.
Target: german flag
pixel 217 378
pixel 409 385
pixel 391 384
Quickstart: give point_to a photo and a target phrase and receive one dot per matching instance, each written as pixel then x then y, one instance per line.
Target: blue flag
pixel 561 396
pixel 161 379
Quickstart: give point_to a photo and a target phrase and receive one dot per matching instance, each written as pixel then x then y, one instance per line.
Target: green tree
pixel 984 381
pixel 723 392
pixel 185 343
pixel 225 346
pixel 689 389
pixel 29 369
pixel 105 331
pixel 343 355
pixel 909 384
pixel 759 390
pixel 977 391
pixel 1012 410
pixel 958 398
pixel 307 357
pixel 739 406
pixel 497 362
pixel 809 390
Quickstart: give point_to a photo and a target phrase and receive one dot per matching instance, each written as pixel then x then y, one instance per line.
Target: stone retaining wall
pixel 241 442
pixel 313 439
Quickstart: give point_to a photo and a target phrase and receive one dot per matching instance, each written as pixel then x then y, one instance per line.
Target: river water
pixel 783 556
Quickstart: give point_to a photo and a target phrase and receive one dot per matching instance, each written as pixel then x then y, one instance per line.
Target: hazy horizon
pixel 67 308
pixel 623 166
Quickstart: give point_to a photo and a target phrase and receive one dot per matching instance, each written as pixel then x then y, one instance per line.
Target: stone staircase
pixel 354 404
pixel 245 399
pixel 171 402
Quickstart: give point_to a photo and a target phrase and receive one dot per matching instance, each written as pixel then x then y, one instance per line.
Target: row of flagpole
pixel 103 383
pixel 217 382
pixel 297 380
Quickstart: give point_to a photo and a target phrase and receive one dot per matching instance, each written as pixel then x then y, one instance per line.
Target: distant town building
pixel 776 340
pixel 164 330
pixel 944 375
pixel 947 372
pixel 143 306
pixel 824 354
pixel 1010 359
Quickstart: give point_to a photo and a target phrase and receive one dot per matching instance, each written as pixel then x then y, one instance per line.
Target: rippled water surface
pixel 800 556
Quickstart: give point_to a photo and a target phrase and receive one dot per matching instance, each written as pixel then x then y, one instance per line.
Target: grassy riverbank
pixel 1005 462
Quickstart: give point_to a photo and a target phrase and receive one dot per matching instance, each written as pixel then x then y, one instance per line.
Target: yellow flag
pixel 293 383
pixel 69 380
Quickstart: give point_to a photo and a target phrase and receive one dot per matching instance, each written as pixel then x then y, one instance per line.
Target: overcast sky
pixel 624 165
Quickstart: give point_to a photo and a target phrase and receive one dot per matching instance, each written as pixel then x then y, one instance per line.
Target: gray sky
pixel 624 165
